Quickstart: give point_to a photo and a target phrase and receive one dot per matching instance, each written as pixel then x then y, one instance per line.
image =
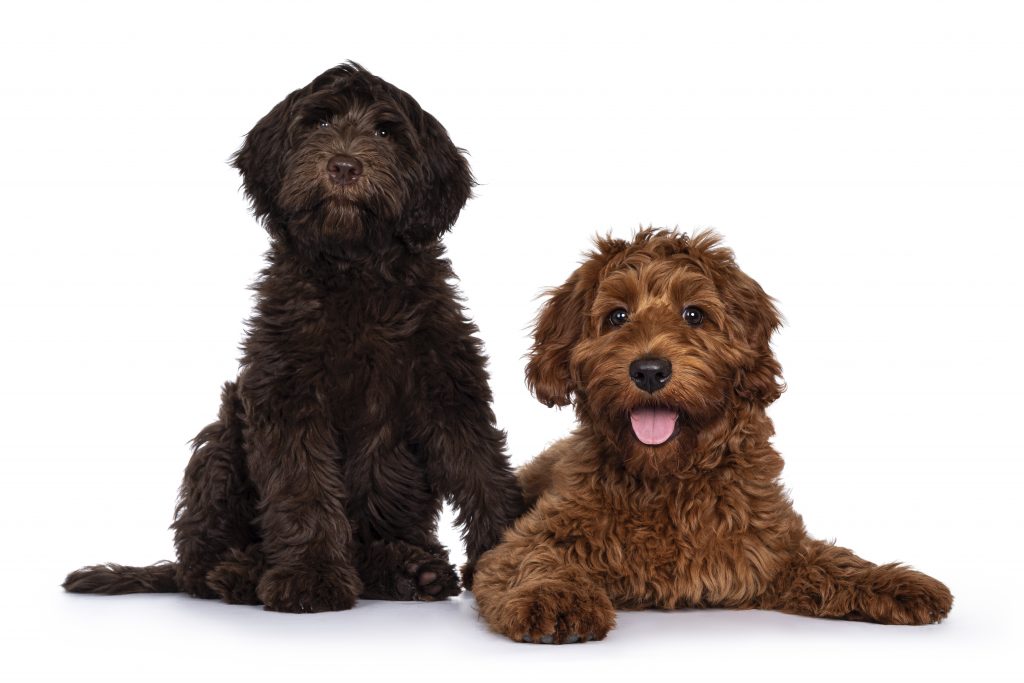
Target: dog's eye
pixel 323 123
pixel 693 316
pixel 383 130
pixel 618 317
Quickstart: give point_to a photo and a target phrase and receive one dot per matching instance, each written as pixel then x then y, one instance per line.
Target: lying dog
pixel 362 399
pixel 667 495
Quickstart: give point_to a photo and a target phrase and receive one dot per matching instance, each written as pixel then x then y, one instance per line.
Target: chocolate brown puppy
pixel 667 495
pixel 362 400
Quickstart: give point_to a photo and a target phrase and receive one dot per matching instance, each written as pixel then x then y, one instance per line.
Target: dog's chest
pixel 369 359
pixel 369 338
pixel 694 547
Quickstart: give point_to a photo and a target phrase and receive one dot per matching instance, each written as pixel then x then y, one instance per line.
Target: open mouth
pixel 654 426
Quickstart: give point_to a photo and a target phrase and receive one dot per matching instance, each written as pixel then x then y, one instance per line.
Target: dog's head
pixel 350 154
pixel 654 341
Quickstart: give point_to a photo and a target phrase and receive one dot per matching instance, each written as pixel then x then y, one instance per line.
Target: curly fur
pixel 698 521
pixel 362 400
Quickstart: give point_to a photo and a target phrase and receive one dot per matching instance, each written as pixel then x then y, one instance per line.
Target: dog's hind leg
pixel 237 575
pixel 825 580
pixel 213 520
pixel 214 528
pixel 396 570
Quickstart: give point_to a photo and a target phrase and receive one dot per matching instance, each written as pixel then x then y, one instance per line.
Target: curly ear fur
pixel 759 379
pixel 560 326
pixel 447 182
pixel 260 159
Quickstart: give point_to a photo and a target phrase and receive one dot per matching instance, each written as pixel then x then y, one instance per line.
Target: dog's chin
pixel 342 218
pixel 353 207
pixel 335 214
pixel 341 197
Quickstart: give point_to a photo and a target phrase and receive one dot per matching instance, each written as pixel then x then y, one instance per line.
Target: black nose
pixel 650 374
pixel 343 169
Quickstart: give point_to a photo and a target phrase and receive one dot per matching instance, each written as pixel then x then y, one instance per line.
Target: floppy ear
pixel 445 187
pixel 759 378
pixel 260 159
pixel 561 324
pixel 557 330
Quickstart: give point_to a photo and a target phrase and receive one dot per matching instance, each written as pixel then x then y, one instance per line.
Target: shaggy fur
pixel 700 520
pixel 362 400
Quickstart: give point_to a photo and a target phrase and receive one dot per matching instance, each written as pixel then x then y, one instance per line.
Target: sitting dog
pixel 667 495
pixel 362 399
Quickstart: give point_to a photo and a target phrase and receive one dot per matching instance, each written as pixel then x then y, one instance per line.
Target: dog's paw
pixel 232 584
pixel 286 589
pixel 911 598
pixel 557 613
pixel 429 579
pixel 235 578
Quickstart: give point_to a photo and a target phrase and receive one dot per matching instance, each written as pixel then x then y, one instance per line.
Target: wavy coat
pixel 362 401
pixel 698 520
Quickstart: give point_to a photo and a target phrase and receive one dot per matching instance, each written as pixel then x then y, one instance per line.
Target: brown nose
pixel 343 169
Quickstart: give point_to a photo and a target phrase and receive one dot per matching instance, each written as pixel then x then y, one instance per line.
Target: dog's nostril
pixel 650 374
pixel 344 169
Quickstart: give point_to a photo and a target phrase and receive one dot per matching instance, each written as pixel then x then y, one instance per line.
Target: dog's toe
pixel 433 579
pixel 553 639
pixel 557 613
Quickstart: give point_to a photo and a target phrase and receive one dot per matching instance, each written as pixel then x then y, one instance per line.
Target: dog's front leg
pixel 464 449
pixel 534 589
pixel 466 461
pixel 305 536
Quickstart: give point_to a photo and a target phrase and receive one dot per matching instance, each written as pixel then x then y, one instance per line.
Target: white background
pixel 865 161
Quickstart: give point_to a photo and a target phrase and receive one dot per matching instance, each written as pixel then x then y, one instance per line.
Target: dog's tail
pixel 116 579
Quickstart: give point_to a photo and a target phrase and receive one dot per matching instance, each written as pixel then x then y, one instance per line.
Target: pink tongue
pixel 653 426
